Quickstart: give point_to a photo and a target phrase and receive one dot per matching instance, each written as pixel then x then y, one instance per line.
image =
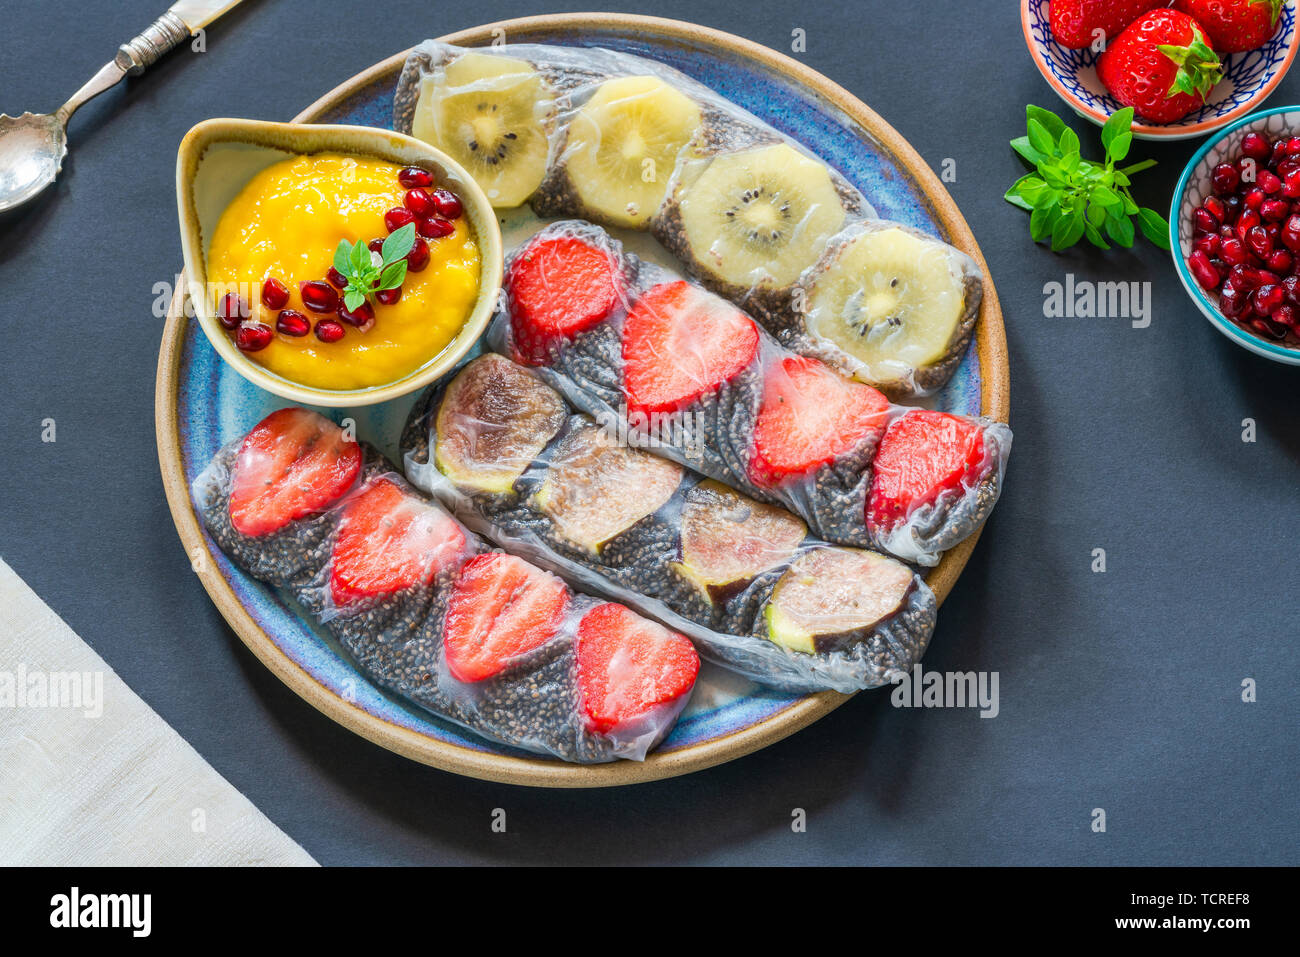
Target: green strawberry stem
pixel 1199 67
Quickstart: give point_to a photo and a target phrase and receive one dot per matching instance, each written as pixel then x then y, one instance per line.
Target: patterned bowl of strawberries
pixel 1235 232
pixel 1187 68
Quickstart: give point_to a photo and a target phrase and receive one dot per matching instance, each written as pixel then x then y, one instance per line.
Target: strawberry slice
pixel 501 608
pixel 293 464
pixel 388 542
pixel 628 666
pixel 559 286
pixel 681 342
pixel 810 415
pixel 922 456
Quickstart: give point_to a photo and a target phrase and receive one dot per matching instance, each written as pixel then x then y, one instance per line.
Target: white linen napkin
pixel 91 775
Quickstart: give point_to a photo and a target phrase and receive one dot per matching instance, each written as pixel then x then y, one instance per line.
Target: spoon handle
pixel 136 55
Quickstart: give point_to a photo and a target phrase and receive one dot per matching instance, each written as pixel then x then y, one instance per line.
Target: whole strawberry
pixel 1162 66
pixel 1235 26
pixel 1075 22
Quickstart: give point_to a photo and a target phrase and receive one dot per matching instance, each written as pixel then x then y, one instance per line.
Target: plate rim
pixel 991 346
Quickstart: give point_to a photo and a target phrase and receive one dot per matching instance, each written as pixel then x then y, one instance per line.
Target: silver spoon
pixel 32 146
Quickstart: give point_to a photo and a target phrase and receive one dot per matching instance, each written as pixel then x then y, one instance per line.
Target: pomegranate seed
pixel 1205 220
pixel 435 228
pixel 1269 182
pixel 1247 221
pixel 327 330
pixel 1267 298
pixel 1291 185
pixel 1279 261
pixel 389 296
pixel 1256 146
pixel 1232 205
pixel 252 336
pixel 1265 277
pixel 1259 242
pixel 1227 232
pixel 447 203
pixel 1243 278
pixel 337 279
pixel 291 322
pixel 232 310
pixel 1266 328
pixel 1234 251
pixel 1291 234
pixel 397 217
pixel 1286 315
pixel 1254 199
pixel 1205 273
pixel 413 176
pixel 1208 244
pixel 420 202
pixel 1291 289
pixel 1277 153
pixel 1216 207
pixel 356 317
pixel 1231 302
pixel 1275 210
pixel 418 257
pixel 1225 179
pixel 1287 166
pixel 318 295
pixel 376 246
pixel 275 294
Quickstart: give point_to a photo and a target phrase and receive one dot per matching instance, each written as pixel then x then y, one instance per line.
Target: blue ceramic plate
pixel 202 404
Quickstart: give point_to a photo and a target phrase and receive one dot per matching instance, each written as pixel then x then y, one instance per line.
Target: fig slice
pixel 832 597
pixel 493 421
pixel 594 490
pixel 728 539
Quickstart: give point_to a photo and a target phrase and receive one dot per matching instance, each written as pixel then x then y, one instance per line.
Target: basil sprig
pixel 365 276
pixel 1070 198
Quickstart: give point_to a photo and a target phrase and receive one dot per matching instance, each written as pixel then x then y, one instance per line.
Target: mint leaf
pixel 1040 139
pixel 398 244
pixel 353 299
pixel 1069 144
pixel 358 261
pixel 1154 227
pixel 1046 118
pixel 394 275
pixel 1120 121
pixel 341 257
pixel 1022 146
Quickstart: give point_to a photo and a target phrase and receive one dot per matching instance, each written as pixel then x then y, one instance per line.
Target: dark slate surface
pixel 1118 691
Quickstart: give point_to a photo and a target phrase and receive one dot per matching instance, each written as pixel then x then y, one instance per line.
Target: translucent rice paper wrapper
pixel 888 305
pixel 397 639
pixel 748 211
pixel 501 448
pixel 715 433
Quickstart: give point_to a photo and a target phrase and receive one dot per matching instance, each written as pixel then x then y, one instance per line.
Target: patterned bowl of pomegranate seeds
pixel 1248 78
pixel 1235 232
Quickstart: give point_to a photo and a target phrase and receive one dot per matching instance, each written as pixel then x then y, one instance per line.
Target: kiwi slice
pixel 897 306
pixel 493 421
pixel 594 490
pixel 728 540
pixel 758 219
pixel 494 116
pixel 831 597
pixel 622 147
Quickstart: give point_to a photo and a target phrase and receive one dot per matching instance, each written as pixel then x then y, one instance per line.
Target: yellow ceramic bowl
pixel 218 158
